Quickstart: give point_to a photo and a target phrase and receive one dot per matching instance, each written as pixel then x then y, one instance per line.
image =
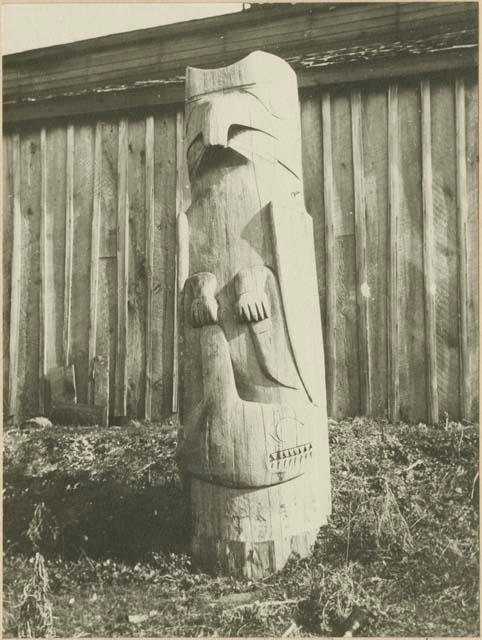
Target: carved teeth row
pixel 280 465
pixel 293 452
pixel 280 460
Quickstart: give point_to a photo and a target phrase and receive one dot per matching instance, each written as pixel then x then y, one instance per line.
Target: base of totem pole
pixel 253 532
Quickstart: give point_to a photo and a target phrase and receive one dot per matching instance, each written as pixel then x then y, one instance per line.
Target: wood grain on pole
pixel 462 215
pixel 394 210
pixel 253 402
pixel 362 288
pixel 122 271
pixel 428 255
pixel 149 260
pixel 16 279
pixel 330 256
pixel 69 244
pixel 94 255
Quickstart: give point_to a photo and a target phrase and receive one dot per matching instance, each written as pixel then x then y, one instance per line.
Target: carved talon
pixel 204 306
pixel 252 304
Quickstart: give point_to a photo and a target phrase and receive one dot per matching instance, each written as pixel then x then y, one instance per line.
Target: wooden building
pixel 94 176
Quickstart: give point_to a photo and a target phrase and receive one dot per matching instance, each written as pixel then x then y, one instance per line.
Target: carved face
pixel 245 107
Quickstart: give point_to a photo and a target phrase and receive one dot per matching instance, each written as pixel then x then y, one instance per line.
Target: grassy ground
pixel 402 543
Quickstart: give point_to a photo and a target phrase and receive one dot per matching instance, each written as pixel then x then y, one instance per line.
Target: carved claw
pixel 252 304
pixel 204 306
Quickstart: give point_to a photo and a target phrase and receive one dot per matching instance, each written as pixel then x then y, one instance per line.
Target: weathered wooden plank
pixel 375 155
pixel 445 239
pixel 28 352
pixel 394 213
pixel 16 279
pixel 43 271
pixel 472 151
pixel 122 271
pixel 428 255
pixel 362 287
pixel 163 263
pixel 149 194
pixel 107 310
pixel 55 234
pixel 94 255
pixel 330 264
pixel 311 133
pixel 7 247
pixel 462 215
pixel 412 350
pixel 69 243
pixel 83 186
pixel 136 337
pixel 179 209
pixel 347 365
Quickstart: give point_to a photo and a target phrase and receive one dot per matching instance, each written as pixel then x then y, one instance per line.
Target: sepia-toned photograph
pixel 240 319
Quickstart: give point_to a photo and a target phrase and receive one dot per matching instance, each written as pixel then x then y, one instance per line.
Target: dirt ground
pixel 106 509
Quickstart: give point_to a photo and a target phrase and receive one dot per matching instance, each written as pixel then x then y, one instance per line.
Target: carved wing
pixel 295 265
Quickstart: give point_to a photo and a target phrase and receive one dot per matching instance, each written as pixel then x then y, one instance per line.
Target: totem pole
pixel 254 443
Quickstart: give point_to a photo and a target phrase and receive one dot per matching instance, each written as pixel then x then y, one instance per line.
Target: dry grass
pixel 401 546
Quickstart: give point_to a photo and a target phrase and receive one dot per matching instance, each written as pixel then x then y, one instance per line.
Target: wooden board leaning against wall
pixel 390 175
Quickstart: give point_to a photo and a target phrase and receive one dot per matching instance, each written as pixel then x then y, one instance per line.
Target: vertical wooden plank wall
pixel 28 211
pixel 428 254
pixel 391 182
pixel 329 266
pixel 362 288
pixel 83 225
pixel 164 252
pixel 442 109
pixel 347 356
pixel 411 264
pixel 149 259
pixel 374 116
pixel 136 303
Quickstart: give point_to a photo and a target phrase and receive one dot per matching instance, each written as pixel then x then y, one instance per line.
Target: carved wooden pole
pixel 253 404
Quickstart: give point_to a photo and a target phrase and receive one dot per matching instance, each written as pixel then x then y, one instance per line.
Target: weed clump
pixel 35 610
